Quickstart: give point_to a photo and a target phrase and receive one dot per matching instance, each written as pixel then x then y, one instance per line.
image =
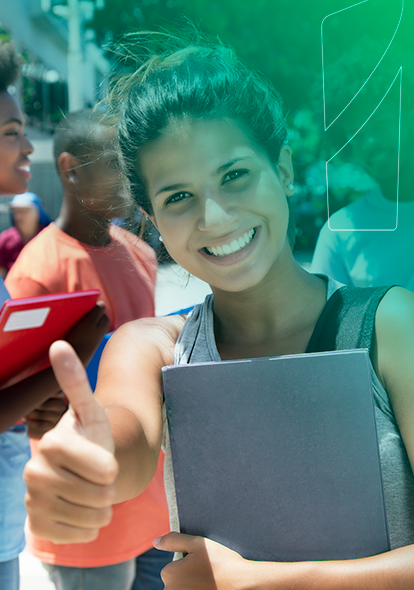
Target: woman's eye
pixel 234 175
pixel 177 197
pixel 11 132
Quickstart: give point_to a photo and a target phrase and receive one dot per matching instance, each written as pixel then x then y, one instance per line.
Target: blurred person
pixel 379 226
pixel 82 249
pixel 28 218
pixel 40 391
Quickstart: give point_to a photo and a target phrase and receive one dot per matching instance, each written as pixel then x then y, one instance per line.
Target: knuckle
pixel 31 473
pixel 87 536
pixel 30 504
pixel 167 572
pixel 109 471
pixel 105 516
pixel 36 525
pixel 105 496
pixel 49 443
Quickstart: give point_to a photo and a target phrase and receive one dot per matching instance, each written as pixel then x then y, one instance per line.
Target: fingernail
pixel 156 541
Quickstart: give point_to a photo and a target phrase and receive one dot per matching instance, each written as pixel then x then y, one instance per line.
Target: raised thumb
pixel 89 415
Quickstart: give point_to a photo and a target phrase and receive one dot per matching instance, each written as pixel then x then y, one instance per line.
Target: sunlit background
pixel 65 48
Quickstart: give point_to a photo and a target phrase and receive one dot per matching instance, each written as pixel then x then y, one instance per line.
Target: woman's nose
pixel 216 215
pixel 27 147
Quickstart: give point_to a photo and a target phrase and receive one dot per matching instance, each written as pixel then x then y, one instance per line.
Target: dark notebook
pixel 277 458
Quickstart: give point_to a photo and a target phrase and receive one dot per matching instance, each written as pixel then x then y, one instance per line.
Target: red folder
pixel 29 326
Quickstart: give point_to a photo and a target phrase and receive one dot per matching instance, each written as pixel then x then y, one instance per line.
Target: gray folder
pixel 277 458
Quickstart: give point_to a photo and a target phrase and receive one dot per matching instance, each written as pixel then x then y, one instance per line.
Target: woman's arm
pixel 72 481
pixel 210 566
pixel 394 355
pixel 21 399
pixel 129 387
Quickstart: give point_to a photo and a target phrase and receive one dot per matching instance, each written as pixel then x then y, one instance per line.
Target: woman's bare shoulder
pixel 394 329
pixel 394 353
pixel 150 335
pixel 130 368
pixel 394 320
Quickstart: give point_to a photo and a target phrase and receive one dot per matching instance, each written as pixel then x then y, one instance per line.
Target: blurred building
pixel 40 30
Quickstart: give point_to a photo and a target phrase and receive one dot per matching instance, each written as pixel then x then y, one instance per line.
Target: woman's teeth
pixel 234 246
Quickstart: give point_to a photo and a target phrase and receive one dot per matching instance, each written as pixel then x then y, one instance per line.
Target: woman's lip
pixel 228 239
pixel 25 171
pixel 235 257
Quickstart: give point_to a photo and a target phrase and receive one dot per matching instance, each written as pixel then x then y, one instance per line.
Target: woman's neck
pixel 275 317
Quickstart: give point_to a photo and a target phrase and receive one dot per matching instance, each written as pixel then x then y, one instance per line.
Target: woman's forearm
pixel 393 570
pixel 137 460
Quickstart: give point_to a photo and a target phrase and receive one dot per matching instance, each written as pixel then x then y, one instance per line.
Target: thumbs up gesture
pixel 70 481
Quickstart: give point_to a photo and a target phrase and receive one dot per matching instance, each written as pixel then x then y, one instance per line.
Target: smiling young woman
pixel 203 149
pixel 15 148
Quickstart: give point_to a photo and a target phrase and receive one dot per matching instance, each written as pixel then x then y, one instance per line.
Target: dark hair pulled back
pixel 197 80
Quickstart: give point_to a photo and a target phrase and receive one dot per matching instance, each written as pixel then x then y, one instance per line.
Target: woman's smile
pixel 233 246
pixel 231 253
pixel 14 148
pixel 24 170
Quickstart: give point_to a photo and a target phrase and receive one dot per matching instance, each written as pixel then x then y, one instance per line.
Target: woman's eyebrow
pixel 172 187
pixel 12 120
pixel 229 164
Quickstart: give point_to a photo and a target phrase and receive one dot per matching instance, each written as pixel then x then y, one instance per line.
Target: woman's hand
pixel 211 566
pixel 70 482
pixel 46 416
pixel 207 565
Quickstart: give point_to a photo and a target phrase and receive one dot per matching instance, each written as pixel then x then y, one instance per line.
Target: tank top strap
pixel 347 320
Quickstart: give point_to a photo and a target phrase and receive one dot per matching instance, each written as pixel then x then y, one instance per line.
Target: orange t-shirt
pixel 125 272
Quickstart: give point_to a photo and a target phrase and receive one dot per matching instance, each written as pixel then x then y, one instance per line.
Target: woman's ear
pixel 67 165
pixel 285 170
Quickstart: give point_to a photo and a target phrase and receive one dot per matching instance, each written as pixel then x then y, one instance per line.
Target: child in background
pixel 41 390
pixel 28 218
pixel 83 250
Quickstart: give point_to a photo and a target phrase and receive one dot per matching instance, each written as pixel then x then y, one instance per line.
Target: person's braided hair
pixel 10 64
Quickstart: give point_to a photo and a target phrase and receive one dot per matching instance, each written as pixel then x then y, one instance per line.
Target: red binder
pixel 29 326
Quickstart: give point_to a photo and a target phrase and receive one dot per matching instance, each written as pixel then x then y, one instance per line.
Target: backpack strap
pixel 347 320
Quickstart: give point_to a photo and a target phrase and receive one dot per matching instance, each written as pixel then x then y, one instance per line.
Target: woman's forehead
pixel 9 110
pixel 190 143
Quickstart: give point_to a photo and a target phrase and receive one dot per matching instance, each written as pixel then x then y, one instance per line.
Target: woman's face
pixel 219 203
pixel 14 148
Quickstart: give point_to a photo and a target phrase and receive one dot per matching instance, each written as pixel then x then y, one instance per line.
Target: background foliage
pixel 282 39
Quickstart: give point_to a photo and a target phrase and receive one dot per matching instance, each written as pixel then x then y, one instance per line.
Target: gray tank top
pixel 196 344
